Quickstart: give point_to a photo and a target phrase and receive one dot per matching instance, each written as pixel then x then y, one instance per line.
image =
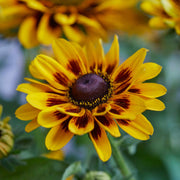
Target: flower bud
pixel 6 136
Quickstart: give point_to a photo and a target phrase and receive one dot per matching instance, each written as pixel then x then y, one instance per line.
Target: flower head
pixel 6 136
pixel 166 13
pixel 41 21
pixel 85 91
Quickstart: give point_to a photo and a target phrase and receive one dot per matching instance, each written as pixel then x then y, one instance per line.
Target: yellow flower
pixel 87 92
pixel 6 136
pixel 166 13
pixel 41 21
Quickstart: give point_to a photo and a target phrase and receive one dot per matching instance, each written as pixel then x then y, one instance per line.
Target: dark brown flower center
pixel 90 90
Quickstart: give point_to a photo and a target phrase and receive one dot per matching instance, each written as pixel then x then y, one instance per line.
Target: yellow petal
pixel 177 27
pixel 34 4
pixel 109 125
pixel 153 7
pixel 151 90
pixel 14 12
pixel 148 71
pixel 82 125
pixel 130 103
pixel 58 136
pixel 64 19
pixel 74 33
pixel 101 61
pixel 67 55
pixel 112 57
pixel 101 110
pixel 154 105
pixel 51 117
pixel 158 22
pixel 140 128
pixel 36 86
pixel 172 7
pixel 33 69
pixel 44 100
pixel 53 72
pixel 32 126
pixel 48 30
pixel 125 74
pixel 28 32
pixel 117 112
pixel 101 143
pixel 26 112
pixel 7 2
pixel 71 110
pixel 89 50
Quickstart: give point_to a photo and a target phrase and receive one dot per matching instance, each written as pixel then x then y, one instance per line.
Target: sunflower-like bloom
pixel 166 13
pixel 41 21
pixel 87 92
pixel 6 136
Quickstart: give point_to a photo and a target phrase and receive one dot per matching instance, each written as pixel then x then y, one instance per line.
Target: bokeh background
pixel 155 159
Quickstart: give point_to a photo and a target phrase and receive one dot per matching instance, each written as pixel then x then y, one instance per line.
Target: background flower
pixel 165 13
pixel 43 21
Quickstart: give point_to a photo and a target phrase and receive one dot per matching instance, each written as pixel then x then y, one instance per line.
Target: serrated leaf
pixel 71 170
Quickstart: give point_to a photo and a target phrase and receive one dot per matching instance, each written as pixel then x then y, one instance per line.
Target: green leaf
pixel 36 168
pixel 71 170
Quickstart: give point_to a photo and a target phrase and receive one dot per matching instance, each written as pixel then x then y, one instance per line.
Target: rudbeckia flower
pixel 6 136
pixel 166 13
pixel 86 91
pixel 42 21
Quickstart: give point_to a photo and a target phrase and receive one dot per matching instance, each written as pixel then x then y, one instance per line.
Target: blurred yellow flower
pixel 41 21
pixel 88 92
pixel 166 13
pixel 56 155
pixel 6 136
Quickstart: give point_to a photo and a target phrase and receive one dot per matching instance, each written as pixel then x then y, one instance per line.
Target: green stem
pixel 120 162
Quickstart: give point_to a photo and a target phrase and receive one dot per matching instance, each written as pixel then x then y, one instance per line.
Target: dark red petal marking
pixel 101 109
pixel 100 67
pixel 115 111
pixel 121 88
pixel 103 120
pixel 52 23
pixel 61 78
pixel 77 110
pixel 124 122
pixel 74 67
pixel 125 103
pixel 110 69
pixel 96 133
pixel 53 101
pixel 82 121
pixel 64 125
pixel 134 90
pixel 59 115
pixel 123 75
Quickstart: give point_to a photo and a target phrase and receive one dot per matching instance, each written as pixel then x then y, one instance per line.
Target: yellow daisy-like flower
pixel 6 136
pixel 41 21
pixel 87 92
pixel 166 13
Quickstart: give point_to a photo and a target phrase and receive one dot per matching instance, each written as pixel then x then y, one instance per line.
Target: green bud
pixel 97 175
